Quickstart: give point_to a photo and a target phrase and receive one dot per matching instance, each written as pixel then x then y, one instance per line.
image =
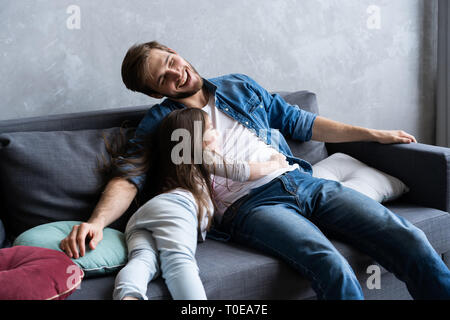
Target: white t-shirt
pixel 239 143
pixel 236 170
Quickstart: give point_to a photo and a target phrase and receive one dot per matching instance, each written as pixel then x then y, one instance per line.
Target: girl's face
pixel 210 137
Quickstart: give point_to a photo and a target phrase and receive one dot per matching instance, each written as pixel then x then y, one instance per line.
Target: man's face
pixel 172 76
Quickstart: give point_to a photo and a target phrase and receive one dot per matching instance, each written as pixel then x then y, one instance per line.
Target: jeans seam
pixel 354 240
pixel 301 266
pixel 295 195
pixel 286 188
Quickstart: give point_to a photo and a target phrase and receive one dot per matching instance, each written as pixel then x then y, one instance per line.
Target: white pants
pixel 166 224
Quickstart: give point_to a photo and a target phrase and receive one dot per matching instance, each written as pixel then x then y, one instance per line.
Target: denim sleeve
pixel 137 180
pixel 147 126
pixel 293 122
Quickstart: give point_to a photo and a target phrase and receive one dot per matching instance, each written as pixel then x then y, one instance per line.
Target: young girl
pixel 162 235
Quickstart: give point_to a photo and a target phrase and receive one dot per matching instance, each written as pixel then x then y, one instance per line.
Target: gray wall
pixel 363 75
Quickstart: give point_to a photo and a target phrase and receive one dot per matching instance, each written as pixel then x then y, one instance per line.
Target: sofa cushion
pixel 231 271
pixel 311 151
pixel 108 257
pixel 31 273
pixel 356 175
pixel 51 176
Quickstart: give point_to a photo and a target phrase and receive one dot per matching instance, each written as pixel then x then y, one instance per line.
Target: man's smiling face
pixel 172 76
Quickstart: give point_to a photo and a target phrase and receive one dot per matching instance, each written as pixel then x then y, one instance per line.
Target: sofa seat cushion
pixel 231 271
pixel 32 273
pixel 227 270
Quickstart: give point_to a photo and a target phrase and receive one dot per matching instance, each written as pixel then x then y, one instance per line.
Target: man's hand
pixel 76 240
pixel 393 136
pixel 115 200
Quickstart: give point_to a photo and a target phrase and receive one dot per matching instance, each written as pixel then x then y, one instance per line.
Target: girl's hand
pixel 280 160
pixel 262 169
pixel 210 140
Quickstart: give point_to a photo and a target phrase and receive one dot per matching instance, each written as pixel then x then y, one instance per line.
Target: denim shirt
pixel 241 98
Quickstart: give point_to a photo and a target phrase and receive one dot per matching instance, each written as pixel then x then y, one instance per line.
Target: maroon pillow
pixel 32 273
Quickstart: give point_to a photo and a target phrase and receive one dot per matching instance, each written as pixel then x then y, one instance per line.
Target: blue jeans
pixel 286 218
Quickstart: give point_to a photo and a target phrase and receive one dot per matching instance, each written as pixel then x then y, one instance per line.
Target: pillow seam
pixel 104 267
pixel 70 289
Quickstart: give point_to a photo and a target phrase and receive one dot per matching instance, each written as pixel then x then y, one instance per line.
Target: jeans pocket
pixel 288 184
pixel 291 186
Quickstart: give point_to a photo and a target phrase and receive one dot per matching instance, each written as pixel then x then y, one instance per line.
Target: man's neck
pixel 198 100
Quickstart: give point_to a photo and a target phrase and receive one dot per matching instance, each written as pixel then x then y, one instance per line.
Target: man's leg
pixel 273 224
pixel 392 241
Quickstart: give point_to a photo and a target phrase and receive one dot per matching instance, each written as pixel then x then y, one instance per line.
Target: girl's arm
pixel 242 170
pixel 261 169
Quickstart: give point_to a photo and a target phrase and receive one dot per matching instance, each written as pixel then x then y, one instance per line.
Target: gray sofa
pixel 228 270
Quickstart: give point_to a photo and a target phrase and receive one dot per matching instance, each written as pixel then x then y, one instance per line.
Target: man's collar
pixel 211 87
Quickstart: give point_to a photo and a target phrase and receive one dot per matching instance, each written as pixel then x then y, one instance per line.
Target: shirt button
pixel 246 122
pixel 261 106
pixel 226 109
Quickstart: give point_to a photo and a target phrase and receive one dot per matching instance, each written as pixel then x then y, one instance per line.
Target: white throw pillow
pixel 354 174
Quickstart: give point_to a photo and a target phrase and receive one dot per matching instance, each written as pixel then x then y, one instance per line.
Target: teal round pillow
pixel 108 257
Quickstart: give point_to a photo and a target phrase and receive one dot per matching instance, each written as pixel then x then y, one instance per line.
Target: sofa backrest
pixel 48 165
pixel 311 151
pixel 101 119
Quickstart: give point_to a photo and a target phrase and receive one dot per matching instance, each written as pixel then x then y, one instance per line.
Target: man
pixel 282 214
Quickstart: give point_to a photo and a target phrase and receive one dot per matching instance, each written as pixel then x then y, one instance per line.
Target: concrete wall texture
pixel 371 63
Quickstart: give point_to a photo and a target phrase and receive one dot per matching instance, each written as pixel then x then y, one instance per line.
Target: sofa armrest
pixel 425 169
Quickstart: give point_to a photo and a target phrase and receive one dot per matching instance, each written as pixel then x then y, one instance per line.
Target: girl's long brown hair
pixel 155 157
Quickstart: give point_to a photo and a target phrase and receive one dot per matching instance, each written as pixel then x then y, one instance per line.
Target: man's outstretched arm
pixel 327 130
pixel 295 123
pixel 115 200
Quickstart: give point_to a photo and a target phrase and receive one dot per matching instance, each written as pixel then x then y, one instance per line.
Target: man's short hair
pixel 135 74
